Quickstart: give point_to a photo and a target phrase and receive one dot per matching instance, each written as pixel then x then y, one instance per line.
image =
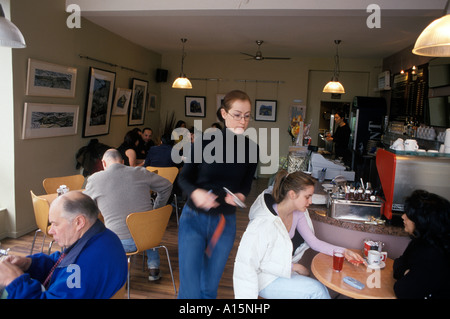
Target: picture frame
pixel 151 103
pixel 195 106
pixel 99 102
pixel 219 101
pixel 138 102
pixel 266 110
pixel 52 80
pixel 121 101
pixel 49 120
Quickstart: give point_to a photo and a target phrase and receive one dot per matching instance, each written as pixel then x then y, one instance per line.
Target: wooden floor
pixel 141 288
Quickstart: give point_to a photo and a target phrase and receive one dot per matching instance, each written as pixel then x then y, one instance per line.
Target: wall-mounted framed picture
pixel 151 102
pixel 121 101
pixel 48 79
pixel 219 101
pixel 49 120
pixel 195 106
pixel 138 102
pixel 99 102
pixel 266 110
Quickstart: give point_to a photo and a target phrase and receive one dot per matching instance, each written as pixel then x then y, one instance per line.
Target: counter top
pixel 319 213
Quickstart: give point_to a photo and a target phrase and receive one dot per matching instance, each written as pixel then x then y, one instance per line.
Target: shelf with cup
pixel 424 144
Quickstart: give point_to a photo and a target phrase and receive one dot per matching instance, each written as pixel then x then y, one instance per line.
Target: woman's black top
pixel 233 166
pixel 428 273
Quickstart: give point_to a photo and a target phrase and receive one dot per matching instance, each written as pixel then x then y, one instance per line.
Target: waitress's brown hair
pixel 284 182
pixel 229 99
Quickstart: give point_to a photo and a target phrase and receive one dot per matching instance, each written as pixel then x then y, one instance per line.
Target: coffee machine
pixel 403 172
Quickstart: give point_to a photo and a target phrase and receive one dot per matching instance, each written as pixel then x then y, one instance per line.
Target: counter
pixel 350 234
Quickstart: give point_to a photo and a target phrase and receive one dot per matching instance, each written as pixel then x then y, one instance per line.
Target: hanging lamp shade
pixel 334 86
pixel 182 82
pixel 434 40
pixel 10 35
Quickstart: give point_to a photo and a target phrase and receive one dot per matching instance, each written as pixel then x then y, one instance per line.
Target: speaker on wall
pixel 161 75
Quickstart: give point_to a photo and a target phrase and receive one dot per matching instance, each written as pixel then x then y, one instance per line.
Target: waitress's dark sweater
pixel 236 173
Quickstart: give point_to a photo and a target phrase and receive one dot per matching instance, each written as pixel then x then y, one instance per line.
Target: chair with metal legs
pixel 41 208
pixel 147 230
pixel 169 173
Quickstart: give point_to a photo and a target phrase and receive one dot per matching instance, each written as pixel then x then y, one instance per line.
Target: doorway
pixel 326 120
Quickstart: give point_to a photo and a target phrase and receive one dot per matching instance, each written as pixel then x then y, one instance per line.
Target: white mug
pixel 398 145
pixel 375 257
pixel 411 145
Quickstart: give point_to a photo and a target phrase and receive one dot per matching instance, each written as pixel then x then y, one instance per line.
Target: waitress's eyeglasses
pixel 237 117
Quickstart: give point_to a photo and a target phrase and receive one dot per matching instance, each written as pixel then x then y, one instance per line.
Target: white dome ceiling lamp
pixel 10 35
pixel 434 41
pixel 334 86
pixel 182 82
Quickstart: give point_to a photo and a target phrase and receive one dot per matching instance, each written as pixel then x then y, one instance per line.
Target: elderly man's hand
pixel 8 272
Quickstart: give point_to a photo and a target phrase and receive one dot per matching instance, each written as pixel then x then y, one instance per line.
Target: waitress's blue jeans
pixel 200 274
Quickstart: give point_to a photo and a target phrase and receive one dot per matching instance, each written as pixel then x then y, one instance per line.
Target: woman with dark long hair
pixel 423 271
pixel 128 149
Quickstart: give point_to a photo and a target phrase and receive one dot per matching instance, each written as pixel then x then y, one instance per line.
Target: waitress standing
pixel 208 222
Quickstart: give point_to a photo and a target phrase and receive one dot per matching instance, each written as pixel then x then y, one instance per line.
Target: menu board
pixel 409 94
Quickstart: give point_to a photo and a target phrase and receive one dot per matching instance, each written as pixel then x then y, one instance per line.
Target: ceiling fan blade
pixel 248 54
pixel 276 58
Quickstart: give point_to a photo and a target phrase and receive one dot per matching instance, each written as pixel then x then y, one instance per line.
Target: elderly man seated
pixel 92 263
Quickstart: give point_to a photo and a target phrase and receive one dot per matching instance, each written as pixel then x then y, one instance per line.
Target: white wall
pixel 7 191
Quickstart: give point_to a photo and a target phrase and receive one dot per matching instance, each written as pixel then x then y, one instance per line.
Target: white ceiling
pixel 288 27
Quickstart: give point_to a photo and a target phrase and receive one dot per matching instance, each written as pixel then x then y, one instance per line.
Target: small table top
pixel 379 283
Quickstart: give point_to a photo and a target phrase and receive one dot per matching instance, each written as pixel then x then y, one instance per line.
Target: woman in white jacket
pixel 279 232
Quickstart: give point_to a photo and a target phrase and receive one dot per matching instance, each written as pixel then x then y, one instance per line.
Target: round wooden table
pixel 379 283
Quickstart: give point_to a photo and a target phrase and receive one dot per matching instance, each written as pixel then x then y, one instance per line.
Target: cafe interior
pixel 282 54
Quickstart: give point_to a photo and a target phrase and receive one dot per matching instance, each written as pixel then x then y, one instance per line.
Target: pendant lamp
pixel 10 35
pixel 434 40
pixel 182 82
pixel 334 86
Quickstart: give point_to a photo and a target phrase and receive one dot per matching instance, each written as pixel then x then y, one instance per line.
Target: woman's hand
pixel 204 199
pixel 353 257
pixel 230 199
pixel 300 269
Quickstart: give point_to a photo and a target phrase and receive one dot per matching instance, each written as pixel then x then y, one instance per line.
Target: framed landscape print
pixel 138 102
pixel 121 101
pixel 195 106
pixel 48 120
pixel 266 110
pixel 48 79
pixel 99 102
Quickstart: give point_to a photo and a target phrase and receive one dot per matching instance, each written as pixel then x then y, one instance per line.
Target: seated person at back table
pixel 120 190
pixel 145 143
pixel 128 149
pixel 423 271
pixel 84 270
pixel 161 155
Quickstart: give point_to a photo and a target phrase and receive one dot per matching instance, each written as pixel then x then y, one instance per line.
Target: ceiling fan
pixel 259 57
